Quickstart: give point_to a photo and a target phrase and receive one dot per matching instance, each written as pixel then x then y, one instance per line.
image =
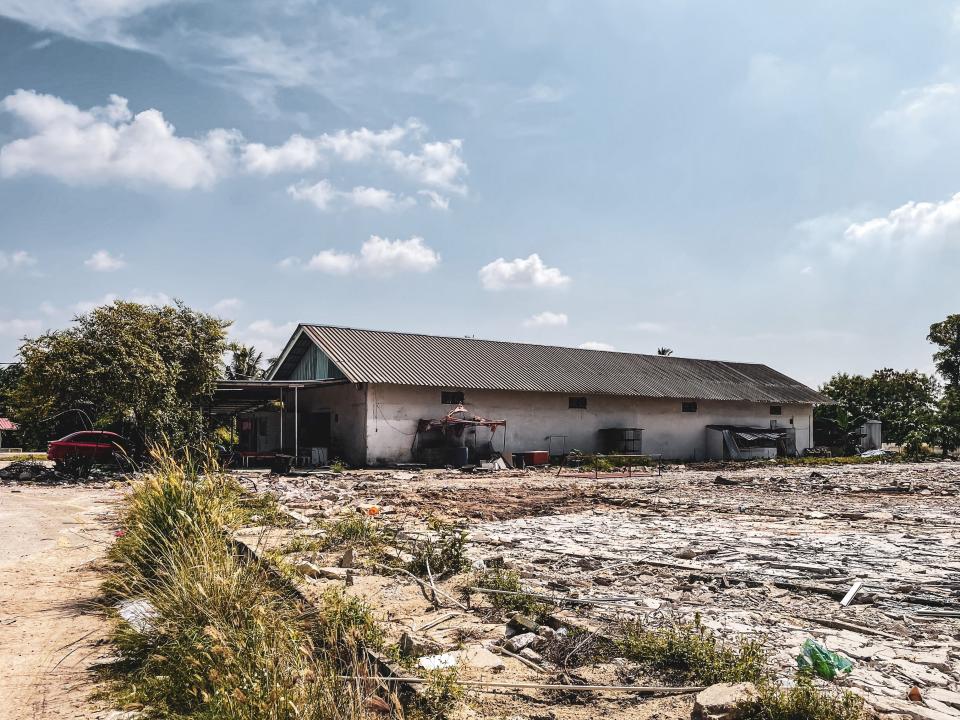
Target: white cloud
pixel 922 120
pixel 297 153
pixel 438 164
pixel 85 19
pixel 378 199
pixel 112 144
pixel 147 298
pixel 530 272
pixel 546 319
pixel 333 262
pixel 594 345
pixel 109 143
pixel 103 261
pixel 326 197
pixel 18 327
pixel 385 257
pixel 265 335
pixel 227 305
pixel 17 260
pixel 916 223
pixel 301 153
pixel 362 144
pixel 436 200
pixel 377 256
pixel 271 329
pixel 134 296
pixel 85 306
pixel 322 194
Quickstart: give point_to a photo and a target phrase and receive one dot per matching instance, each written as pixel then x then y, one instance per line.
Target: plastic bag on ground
pixel 822 662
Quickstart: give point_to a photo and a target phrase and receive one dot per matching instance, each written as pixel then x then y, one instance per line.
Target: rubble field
pixel 763 551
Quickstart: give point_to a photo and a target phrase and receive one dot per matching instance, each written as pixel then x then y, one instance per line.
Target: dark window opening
pixel 451 397
pixel 688 407
pixel 776 410
pixel 578 403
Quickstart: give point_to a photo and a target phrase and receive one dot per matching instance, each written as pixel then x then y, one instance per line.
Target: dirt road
pixel 51 539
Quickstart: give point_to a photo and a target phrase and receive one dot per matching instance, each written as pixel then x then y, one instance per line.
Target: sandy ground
pixel 51 540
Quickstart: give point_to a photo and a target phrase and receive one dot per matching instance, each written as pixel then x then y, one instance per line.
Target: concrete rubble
pixel 768 557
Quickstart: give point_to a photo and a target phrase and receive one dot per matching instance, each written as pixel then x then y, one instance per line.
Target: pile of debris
pixel 39 473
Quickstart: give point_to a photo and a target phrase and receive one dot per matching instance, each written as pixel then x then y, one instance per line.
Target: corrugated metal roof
pixel 373 356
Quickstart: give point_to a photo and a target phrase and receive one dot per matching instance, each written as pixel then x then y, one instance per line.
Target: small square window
pixel 688 407
pixel 776 410
pixel 451 397
pixel 578 403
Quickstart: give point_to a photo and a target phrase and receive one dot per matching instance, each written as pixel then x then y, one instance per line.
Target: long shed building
pixel 373 397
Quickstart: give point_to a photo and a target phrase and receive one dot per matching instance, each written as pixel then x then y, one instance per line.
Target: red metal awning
pixel 6 424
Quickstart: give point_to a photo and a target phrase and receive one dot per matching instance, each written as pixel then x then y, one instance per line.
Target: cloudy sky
pixel 761 181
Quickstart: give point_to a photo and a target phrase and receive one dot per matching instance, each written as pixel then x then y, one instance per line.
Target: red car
pixel 91 446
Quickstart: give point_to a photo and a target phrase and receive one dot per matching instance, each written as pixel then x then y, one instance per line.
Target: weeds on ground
pixel 261 509
pixel 689 653
pixel 301 543
pixel 440 697
pixel 338 466
pixel 804 702
pixel 347 625
pixel 577 648
pixel 509 581
pixel 353 529
pixel 225 640
pixel 442 555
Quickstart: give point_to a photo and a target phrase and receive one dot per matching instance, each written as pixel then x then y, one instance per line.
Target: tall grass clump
pixel 224 639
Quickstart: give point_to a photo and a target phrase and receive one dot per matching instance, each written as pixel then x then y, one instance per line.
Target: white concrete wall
pixel 393 411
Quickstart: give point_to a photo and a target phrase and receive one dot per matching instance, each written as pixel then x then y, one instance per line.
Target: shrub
pixel 509 580
pixel 804 702
pixel 440 697
pixel 352 529
pixel 690 653
pixel 444 554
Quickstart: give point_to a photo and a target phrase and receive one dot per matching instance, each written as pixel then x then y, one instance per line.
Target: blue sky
pixel 738 180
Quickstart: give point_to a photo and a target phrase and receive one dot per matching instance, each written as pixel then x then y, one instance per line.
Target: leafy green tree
pixel 664 351
pixel 146 369
pixel 245 364
pixel 9 377
pixel 946 335
pixel 905 402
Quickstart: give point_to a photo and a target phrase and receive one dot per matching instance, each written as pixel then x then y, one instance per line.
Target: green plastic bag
pixel 825 663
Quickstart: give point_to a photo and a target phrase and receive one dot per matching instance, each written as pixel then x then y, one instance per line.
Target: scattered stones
pixel 518 642
pixel 416 646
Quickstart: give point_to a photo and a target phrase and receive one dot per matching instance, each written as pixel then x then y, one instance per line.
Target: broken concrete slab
pixel 724 701
pixel 474 656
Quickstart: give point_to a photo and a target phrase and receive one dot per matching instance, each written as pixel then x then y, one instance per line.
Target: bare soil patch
pixel 51 631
